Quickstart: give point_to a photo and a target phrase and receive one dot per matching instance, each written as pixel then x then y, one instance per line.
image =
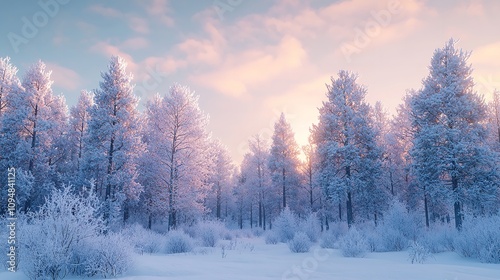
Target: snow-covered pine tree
pixel 177 146
pixel 284 163
pixel 113 141
pixel 347 153
pixel 449 150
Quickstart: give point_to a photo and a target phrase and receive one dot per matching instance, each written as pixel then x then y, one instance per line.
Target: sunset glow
pixel 251 60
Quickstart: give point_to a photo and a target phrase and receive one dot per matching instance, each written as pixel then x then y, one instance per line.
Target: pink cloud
pixel 135 43
pixel 141 70
pixel 160 10
pixel 471 8
pixel 488 54
pixel 105 11
pixel 64 77
pixel 138 24
pixel 251 68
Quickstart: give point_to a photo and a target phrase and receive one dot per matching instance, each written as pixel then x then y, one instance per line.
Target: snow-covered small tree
pixel 113 141
pixel 449 151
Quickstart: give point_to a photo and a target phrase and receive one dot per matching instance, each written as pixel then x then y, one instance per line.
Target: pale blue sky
pixel 257 58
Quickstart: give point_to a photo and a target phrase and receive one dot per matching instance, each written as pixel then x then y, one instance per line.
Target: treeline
pixel 439 155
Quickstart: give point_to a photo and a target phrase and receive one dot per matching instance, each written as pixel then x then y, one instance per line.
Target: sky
pixel 251 60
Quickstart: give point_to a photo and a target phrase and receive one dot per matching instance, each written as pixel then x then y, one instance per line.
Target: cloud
pixel 241 70
pixel 110 50
pixel 144 69
pixel 138 24
pixel 135 23
pixel 487 54
pixel 135 43
pixel 64 77
pixel 105 11
pixel 160 10
pixel 471 8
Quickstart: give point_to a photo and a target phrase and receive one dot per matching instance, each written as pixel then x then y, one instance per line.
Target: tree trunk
pixel 350 219
pixel 251 215
pixel 457 207
pixel 33 141
pixel 150 220
pixel 240 219
pixel 260 212
pixel 264 217
pixel 340 212
pixel 219 196
pixel 126 212
pixel 426 208
pixel 284 189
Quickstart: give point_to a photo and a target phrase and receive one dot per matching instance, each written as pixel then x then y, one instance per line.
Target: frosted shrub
pixel 418 253
pixel 271 237
pixel 328 240
pixel 398 228
pixel 285 225
pixel 257 231
pixel 108 256
pixel 178 242
pixel 480 239
pixel 300 243
pixel 353 244
pixel 209 232
pixel 311 227
pixel 144 240
pixel 439 239
pixel 374 241
pixel 50 236
pixel 391 240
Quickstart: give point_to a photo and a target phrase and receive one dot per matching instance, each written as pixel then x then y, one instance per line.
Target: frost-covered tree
pixel 257 182
pixel 495 115
pixel 398 144
pixel 284 162
pixel 309 171
pixel 78 126
pixel 220 175
pixel 9 83
pixel 113 142
pixel 347 153
pixel 33 129
pixel 450 154
pixel 177 163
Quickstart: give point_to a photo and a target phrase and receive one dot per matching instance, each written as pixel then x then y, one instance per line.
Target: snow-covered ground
pixel 252 259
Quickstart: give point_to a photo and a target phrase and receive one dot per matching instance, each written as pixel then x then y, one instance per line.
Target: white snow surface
pixel 252 259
